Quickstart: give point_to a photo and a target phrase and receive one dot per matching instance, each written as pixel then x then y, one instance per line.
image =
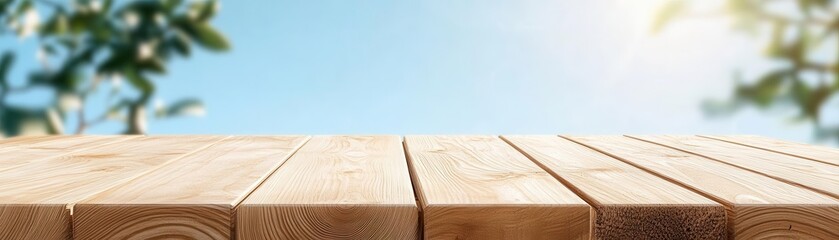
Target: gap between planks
pixel 362 190
pixel 588 199
pixel 415 186
pixel 239 164
pixel 262 181
pixel 70 206
pixel 766 204
pixel 493 191
pixel 794 179
pixel 762 142
pixel 84 171
pixel 627 201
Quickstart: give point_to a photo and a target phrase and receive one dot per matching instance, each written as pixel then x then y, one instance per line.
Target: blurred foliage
pixel 797 34
pixel 85 44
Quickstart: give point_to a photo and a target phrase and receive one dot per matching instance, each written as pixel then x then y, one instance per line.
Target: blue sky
pixel 462 67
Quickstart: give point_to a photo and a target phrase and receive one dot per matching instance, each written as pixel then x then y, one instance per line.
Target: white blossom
pixel 69 102
pixel 145 50
pixel 95 6
pixel 116 81
pixel 131 19
pixel 160 19
pixel 31 21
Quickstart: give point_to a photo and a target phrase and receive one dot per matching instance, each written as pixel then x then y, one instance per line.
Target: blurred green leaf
pixel 58 24
pixel 204 10
pixel 154 65
pixel 776 42
pixel 107 5
pixel 836 70
pixel 100 35
pixel 807 6
pixel 171 5
pixel 180 43
pixel 804 75
pixel 5 64
pixel 715 108
pixel 15 121
pixel 185 107
pixel 4 6
pixel 120 56
pixel 810 99
pixel 205 35
pixel 765 90
pixel 49 49
pixel 22 7
pixel 743 6
pixel 139 81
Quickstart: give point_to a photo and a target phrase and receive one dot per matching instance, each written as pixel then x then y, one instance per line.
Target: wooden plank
pixel 19 140
pixel 758 207
pixel 816 176
pixel 335 187
pixel 193 197
pixel 32 149
pixel 478 187
pixel 816 153
pixel 628 202
pixel 36 199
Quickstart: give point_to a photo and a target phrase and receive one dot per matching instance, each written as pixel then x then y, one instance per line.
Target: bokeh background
pixel 460 67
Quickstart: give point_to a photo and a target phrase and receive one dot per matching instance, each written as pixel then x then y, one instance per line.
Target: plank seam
pixel 767 149
pixel 744 168
pixel 729 206
pixel 419 195
pixel 588 199
pixel 262 181
pixel 671 180
pixel 152 169
pixel 71 206
pixel 235 209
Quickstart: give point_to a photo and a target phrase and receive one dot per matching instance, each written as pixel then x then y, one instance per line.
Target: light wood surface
pixel 813 152
pixel 192 197
pixel 10 142
pixel 478 187
pixel 335 187
pixel 817 176
pixel 432 187
pixel 37 198
pixel 628 202
pixel 20 151
pixel 759 206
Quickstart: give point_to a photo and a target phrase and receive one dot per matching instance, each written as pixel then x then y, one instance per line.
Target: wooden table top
pixel 417 187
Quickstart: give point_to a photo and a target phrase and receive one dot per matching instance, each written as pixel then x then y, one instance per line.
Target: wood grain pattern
pixel 816 153
pixel 191 197
pixel 478 187
pixel 37 198
pixel 335 187
pixel 464 187
pixel 19 140
pixel 816 176
pixel 34 221
pixel 20 151
pixel 628 202
pixel 759 206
